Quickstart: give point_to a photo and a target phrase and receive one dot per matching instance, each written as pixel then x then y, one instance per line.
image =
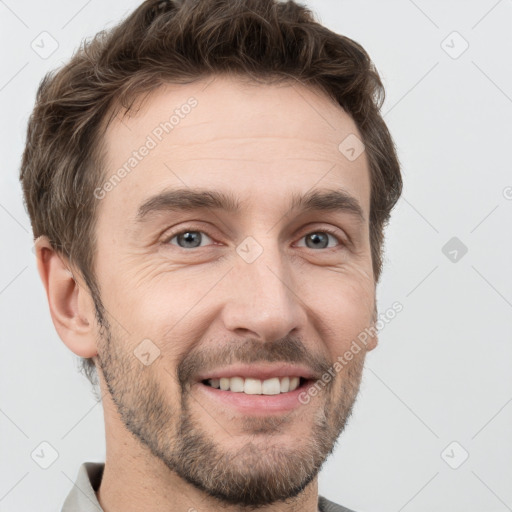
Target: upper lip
pixel 258 371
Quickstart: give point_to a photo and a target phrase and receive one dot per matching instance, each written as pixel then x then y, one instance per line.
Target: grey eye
pixel 318 240
pixel 189 239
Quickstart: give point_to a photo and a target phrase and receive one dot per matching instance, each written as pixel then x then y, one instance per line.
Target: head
pixel 198 208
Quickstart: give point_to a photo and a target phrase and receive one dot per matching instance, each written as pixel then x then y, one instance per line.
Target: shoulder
pixel 325 505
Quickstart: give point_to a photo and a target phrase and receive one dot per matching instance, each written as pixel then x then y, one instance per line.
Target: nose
pixel 263 300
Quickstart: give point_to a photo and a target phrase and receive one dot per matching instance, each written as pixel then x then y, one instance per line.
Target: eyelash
pixel 330 231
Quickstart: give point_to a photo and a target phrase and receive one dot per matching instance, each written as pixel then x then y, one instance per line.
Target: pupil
pixel 191 237
pixel 317 240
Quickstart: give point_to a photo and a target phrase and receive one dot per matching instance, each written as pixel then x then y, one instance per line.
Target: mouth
pixel 252 386
pixel 256 389
pixel 254 397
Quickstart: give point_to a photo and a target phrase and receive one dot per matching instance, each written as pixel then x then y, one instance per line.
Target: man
pixel 208 185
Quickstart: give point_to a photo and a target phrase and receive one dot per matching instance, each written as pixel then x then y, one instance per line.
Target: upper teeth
pixel 272 386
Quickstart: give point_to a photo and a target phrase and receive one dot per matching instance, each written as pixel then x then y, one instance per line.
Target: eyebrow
pixel 196 199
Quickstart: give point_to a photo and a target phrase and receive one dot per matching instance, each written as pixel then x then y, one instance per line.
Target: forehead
pixel 225 133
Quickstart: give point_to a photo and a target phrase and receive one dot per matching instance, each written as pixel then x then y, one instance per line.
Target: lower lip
pixel 254 404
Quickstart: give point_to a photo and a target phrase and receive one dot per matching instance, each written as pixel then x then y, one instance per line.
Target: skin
pixel 199 305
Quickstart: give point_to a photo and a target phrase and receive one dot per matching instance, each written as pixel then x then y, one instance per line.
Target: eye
pixel 320 240
pixel 189 239
pixel 194 238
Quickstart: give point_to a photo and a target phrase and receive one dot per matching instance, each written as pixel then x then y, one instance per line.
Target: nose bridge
pixel 262 298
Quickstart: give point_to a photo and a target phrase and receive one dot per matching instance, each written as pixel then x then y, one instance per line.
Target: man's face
pixel 258 295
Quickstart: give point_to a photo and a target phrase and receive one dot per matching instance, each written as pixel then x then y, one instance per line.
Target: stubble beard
pixel 257 474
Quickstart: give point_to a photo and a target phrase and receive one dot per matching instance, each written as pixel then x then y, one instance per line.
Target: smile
pixel 251 386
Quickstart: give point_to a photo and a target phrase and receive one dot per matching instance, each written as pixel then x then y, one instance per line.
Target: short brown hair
pixel 180 41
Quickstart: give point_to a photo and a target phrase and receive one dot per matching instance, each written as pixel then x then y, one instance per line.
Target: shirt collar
pixel 82 497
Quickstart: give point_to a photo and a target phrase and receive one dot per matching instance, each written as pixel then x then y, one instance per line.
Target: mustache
pixel 285 350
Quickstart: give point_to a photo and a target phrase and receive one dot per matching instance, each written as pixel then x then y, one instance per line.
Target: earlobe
pixel 373 338
pixel 373 341
pixel 70 304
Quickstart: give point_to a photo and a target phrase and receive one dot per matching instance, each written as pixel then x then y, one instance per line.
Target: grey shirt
pixel 82 497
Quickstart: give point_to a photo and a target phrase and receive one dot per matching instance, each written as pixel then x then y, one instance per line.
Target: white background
pixel 443 369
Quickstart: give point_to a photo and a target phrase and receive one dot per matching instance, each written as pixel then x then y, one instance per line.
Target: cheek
pixel 173 305
pixel 166 306
pixel 343 306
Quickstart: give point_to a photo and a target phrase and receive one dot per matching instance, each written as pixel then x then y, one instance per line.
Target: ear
pixel 373 338
pixel 71 305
